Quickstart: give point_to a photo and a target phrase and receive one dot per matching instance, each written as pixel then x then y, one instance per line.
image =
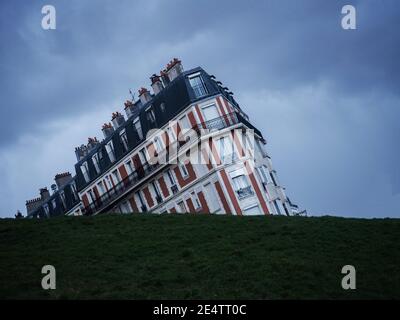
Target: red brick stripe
pixel 148 197
pixel 231 192
pixel 223 113
pixel 222 197
pixel 133 204
pixel 190 205
pixel 256 188
pixel 200 115
pixel 163 186
pixel 203 202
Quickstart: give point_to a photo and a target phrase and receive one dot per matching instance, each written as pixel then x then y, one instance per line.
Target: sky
pixel 326 99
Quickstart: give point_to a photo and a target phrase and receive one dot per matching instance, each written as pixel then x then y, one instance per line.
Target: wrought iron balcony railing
pixel 244 192
pixel 120 188
pixel 140 173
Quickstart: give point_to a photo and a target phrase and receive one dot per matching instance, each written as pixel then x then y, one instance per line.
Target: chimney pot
pixel 144 95
pixel 62 179
pixel 129 107
pixel 117 119
pixel 156 83
pixel 174 68
pixel 107 129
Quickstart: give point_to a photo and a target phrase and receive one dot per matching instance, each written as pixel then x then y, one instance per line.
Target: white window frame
pixel 138 127
pixel 124 139
pixel 183 170
pixel 110 150
pixel 129 167
pixel 96 162
pixel 197 75
pixel 85 172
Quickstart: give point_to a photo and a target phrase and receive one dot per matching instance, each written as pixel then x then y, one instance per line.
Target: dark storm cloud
pixel 307 83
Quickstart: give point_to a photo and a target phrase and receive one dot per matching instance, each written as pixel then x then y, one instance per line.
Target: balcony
pixel 141 173
pixel 218 123
pixel 120 188
pixel 244 193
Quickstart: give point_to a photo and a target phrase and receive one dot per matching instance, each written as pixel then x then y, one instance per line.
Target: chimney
pixel 129 107
pixel 92 143
pixel 107 130
pixel 32 205
pixel 144 95
pixel 81 152
pixel 156 83
pixel 62 179
pixel 174 68
pixel 44 194
pixel 164 77
pixel 117 119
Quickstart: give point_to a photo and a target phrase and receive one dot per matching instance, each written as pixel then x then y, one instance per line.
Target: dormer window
pixel 162 107
pixel 110 151
pixel 96 162
pixel 138 128
pixel 74 191
pixel 63 200
pixel 150 116
pixel 46 210
pixel 197 85
pixel 85 171
pixel 124 140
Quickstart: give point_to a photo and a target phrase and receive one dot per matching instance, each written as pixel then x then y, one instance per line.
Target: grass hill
pixel 199 256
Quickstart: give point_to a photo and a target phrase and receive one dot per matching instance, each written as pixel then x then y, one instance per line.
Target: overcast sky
pixel 326 99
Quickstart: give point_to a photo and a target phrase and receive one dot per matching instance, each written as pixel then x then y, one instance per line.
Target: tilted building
pixel 186 147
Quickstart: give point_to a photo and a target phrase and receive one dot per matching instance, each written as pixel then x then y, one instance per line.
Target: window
pixel 91 195
pixel 115 176
pixel 226 149
pixel 140 200
pixel 85 171
pixel 241 186
pixel 263 174
pixel 143 156
pixel 74 191
pixel 101 188
pixel 109 183
pixel 210 112
pixel 183 170
pixel 196 201
pixel 138 128
pixel 129 167
pixel 54 204
pixel 252 211
pixel 63 201
pixel 158 144
pixel 150 115
pixel 156 191
pixel 162 107
pixel 184 123
pixel 197 85
pixel 181 207
pixel 124 140
pixel 171 177
pixel 46 210
pixel 96 162
pixel 110 151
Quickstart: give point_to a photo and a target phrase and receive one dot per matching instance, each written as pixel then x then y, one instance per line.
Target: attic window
pixel 197 85
pixel 162 107
pixel 150 115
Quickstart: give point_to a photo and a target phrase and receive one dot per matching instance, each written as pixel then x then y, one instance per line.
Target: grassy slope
pixel 187 256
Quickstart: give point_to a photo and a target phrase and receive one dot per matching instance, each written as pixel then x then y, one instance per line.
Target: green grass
pixel 199 257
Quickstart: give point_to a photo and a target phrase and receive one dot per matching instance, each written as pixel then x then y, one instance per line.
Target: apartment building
pixel 185 147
